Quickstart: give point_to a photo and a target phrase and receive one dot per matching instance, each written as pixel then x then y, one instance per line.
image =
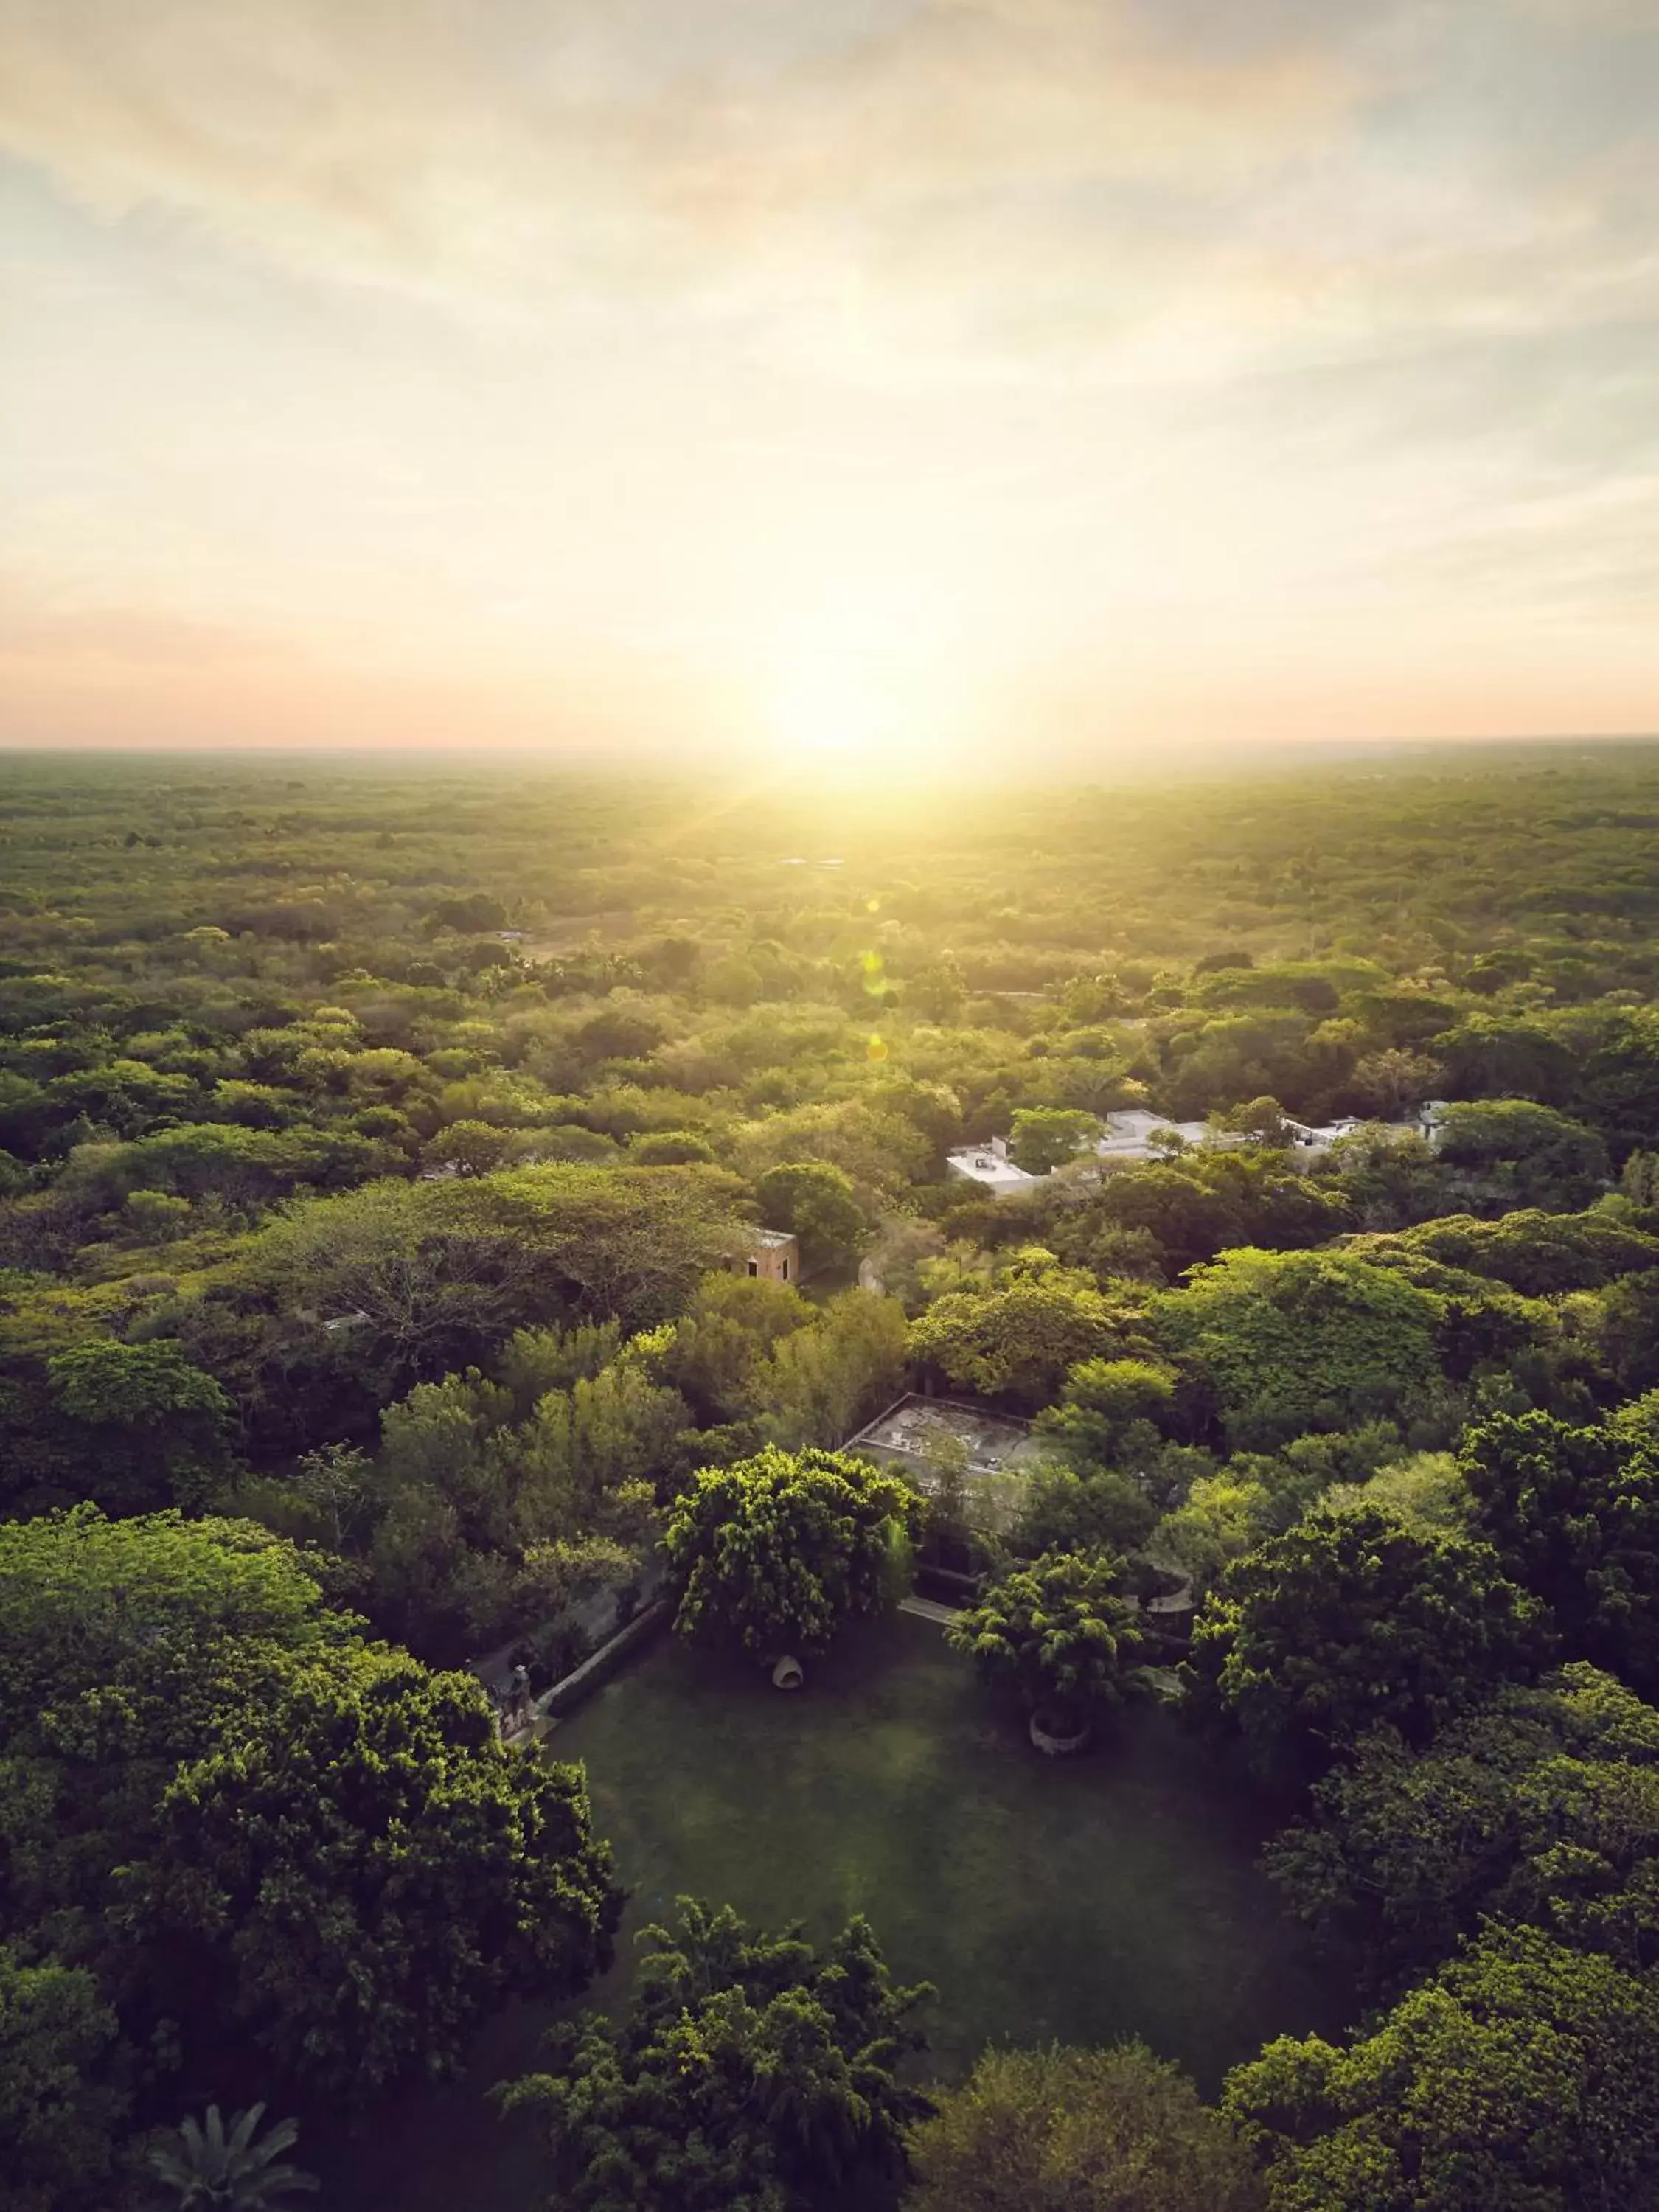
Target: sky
pixel 948 382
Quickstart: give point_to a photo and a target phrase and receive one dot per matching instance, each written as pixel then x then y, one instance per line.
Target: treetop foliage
pixel 771 1555
pixel 751 2071
pixel 375 1147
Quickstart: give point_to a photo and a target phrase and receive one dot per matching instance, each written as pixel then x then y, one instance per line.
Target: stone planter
pixel 1058 1736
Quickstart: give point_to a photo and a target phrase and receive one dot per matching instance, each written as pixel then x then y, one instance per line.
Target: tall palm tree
pixel 209 2167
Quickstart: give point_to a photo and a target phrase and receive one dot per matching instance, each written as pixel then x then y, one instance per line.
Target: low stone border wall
pixel 599 1666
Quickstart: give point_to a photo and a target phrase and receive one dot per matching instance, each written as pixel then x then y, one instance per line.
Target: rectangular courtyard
pixel 1112 1895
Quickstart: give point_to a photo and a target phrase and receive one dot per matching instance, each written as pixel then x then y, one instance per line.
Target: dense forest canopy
pixel 380 1147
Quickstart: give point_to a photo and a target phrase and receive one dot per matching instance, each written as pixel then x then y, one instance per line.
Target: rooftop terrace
pixel 994 1441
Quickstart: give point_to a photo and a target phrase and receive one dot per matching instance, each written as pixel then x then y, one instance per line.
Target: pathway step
pixel 925 1608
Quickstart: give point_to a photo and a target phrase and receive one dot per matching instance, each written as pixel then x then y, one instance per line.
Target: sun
pixel 833 712
pixel 855 683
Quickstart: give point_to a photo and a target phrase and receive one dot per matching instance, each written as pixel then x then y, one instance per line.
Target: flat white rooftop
pixel 994 1170
pixel 1129 1132
pixel 993 1440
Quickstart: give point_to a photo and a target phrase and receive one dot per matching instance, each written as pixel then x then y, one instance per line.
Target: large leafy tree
pixel 1539 1254
pixel 1294 1341
pixel 1061 1511
pixel 1521 2075
pixel 1526 1154
pixel 1541 1806
pixel 1041 1137
pixel 1573 1512
pixel 1106 1405
pixel 59 2105
pixel 772 1554
pixel 1058 1633
pixel 433 1275
pixel 752 2073
pixel 130 1386
pixel 254 1828
pixel 817 1202
pixel 731 1326
pixel 827 1380
pixel 1069 2130
pixel 1021 1339
pixel 470 1497
pixel 149 1424
pixel 1351 1618
pixel 124 1644
pixel 1189 1219
pixel 362 1871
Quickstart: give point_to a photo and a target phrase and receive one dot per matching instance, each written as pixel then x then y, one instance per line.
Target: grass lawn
pixel 1107 1896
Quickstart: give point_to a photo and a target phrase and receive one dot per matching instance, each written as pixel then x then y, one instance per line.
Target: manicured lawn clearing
pixel 1108 1896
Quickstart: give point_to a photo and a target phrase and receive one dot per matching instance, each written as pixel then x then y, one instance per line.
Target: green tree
pixel 1221 1518
pixel 1540 1255
pixel 1573 1513
pixel 1627 1330
pixel 825 1381
pixel 669 1148
pixel 434 1276
pixel 1540 1805
pixel 122 1644
pixel 330 1499
pixel 1528 1154
pixel 110 1384
pixel 58 2105
pixel 155 1425
pixel 248 1824
pixel 817 1203
pixel 1388 1179
pixel 772 1554
pixel 1386 1084
pixel 1521 2075
pixel 363 1872
pixel 732 1323
pixel 1020 1339
pixel 236 2167
pixel 1058 1633
pixel 468 1148
pixel 1109 1405
pixel 1062 1511
pixel 155 1217
pixel 1042 1136
pixel 1068 2131
pixel 1351 1618
pixel 751 2074
pixel 1294 1341
pixel 1506 1058
pixel 1190 1220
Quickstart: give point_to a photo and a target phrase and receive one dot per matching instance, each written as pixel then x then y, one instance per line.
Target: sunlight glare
pixel 857 693
pixel 830 712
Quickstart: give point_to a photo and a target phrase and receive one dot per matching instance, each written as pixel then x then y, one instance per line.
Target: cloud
pixel 435 320
pixel 1147 188
pixel 615 145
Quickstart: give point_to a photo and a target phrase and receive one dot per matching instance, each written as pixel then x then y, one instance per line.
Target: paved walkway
pixel 925 1609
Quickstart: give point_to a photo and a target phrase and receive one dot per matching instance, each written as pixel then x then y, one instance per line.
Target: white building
pixel 989 1166
pixel 1129 1134
pixel 1312 1141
